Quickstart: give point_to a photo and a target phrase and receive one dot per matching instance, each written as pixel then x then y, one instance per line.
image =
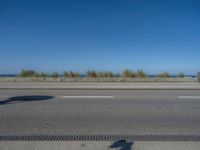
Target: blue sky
pixel 153 35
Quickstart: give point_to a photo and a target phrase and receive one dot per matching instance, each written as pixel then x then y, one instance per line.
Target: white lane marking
pixel 189 97
pixel 87 96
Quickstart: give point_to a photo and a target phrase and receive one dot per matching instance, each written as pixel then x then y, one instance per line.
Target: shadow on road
pixel 122 144
pixel 18 99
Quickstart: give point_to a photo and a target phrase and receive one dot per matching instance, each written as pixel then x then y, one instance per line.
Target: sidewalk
pixel 90 86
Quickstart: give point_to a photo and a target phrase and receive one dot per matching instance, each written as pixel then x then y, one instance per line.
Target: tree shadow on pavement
pixel 122 144
pixel 18 99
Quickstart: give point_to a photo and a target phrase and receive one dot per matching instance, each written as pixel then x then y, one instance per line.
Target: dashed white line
pixel 87 96
pixel 189 97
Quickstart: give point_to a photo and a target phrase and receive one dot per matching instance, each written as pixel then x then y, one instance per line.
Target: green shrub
pixel 66 74
pixel 117 75
pixel 128 74
pixel 180 75
pixel 44 75
pixel 55 75
pixel 140 74
pixel 71 74
pixel 108 74
pixel 164 75
pixel 91 74
pixel 28 73
pixel 105 74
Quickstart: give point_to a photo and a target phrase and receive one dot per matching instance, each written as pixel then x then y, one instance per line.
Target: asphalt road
pixel 99 112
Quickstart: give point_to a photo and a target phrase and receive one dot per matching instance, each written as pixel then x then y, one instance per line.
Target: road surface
pixel 100 112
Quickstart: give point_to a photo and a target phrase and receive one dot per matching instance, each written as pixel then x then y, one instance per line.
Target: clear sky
pixel 153 35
